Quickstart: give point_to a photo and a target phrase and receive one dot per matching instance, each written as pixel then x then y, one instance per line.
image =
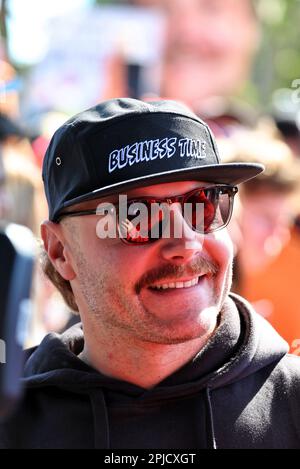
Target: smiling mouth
pixel 177 285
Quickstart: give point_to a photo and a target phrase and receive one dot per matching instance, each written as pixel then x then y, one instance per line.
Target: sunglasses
pixel 205 209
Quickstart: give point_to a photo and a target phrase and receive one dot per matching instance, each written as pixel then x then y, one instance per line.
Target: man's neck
pixel 141 363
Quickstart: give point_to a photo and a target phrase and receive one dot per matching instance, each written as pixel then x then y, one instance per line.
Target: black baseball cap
pixel 125 143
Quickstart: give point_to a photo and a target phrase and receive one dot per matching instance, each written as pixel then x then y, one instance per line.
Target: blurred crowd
pixel 209 48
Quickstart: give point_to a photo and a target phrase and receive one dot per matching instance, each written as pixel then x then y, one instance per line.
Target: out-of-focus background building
pixel 236 63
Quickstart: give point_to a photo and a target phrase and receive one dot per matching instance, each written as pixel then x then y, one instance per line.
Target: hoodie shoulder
pixel 290 367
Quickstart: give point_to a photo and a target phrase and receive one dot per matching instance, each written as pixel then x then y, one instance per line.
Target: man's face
pixel 168 291
pixel 265 221
pixel 209 47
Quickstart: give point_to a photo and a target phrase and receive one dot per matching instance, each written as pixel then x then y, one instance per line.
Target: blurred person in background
pixel 208 52
pixel 267 244
pixel 210 45
pixel 9 90
pixel 26 205
pixel 26 201
pixel 22 201
pixel 10 134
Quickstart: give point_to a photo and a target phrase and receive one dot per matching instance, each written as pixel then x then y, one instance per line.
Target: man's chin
pixel 180 335
pixel 180 327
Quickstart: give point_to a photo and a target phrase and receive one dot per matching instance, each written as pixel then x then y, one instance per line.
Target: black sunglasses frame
pixel 230 190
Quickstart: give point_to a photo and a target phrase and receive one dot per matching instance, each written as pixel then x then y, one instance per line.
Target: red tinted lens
pixel 209 209
pixel 204 201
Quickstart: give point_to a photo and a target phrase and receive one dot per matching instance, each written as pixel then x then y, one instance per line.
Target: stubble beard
pixel 113 314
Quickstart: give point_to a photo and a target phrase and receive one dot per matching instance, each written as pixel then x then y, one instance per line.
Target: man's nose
pixel 181 243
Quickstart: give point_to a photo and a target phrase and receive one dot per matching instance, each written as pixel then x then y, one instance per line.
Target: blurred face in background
pixel 264 223
pixel 209 48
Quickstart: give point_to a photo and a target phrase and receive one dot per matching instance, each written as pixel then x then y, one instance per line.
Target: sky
pixel 27 26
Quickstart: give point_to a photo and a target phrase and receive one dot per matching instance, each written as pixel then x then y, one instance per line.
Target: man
pixel 166 357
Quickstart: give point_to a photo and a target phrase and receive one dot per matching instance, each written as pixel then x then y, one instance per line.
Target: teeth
pixel 165 286
pixel 179 285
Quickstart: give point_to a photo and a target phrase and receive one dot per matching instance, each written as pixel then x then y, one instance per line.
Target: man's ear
pixel 54 244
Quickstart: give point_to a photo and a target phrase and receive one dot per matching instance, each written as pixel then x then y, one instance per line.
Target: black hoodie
pixel 241 391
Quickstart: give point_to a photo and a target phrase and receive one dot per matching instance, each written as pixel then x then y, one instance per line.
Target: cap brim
pixel 229 173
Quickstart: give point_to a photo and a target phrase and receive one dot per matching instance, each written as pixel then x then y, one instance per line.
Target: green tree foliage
pixel 278 62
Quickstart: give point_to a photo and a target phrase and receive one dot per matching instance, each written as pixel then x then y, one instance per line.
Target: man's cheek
pixel 221 249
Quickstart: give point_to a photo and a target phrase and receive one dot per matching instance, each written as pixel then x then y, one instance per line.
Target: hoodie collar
pixel 218 350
